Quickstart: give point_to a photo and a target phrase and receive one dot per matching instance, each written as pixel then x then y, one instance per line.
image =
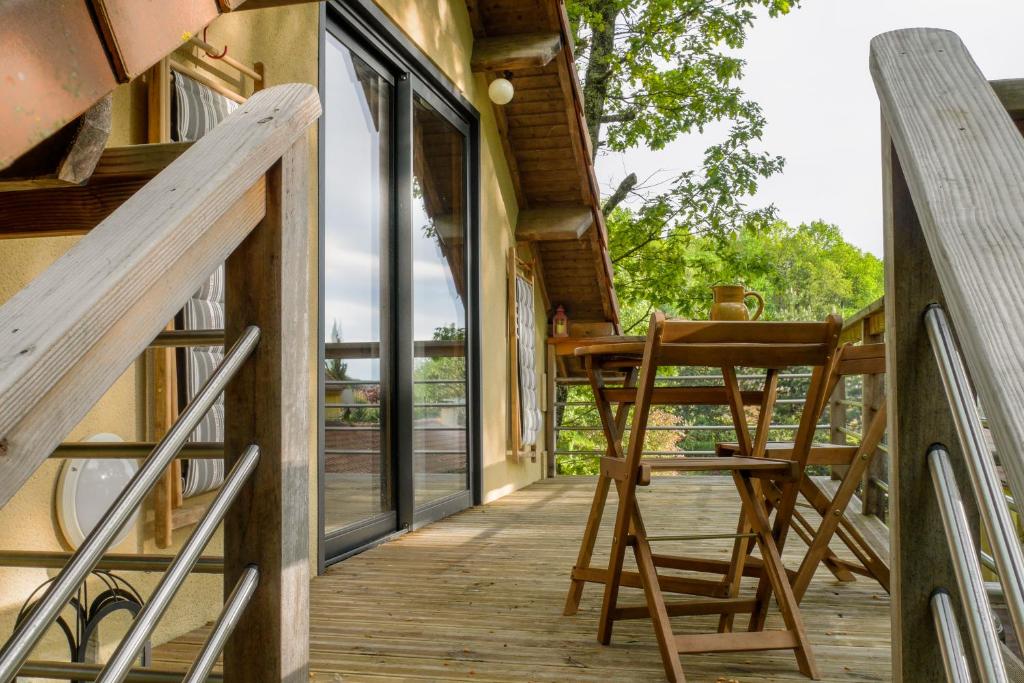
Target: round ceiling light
pixel 87 487
pixel 501 91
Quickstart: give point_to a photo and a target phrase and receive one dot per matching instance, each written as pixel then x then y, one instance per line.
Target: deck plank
pixel 478 597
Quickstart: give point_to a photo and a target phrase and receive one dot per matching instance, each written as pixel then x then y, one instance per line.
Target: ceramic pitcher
pixel 730 303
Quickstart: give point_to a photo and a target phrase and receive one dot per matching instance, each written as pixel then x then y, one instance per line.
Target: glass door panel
pixel 357 479
pixel 440 459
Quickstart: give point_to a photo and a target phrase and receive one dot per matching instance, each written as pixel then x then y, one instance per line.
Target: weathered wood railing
pixel 953 173
pixel 867 326
pixel 238 195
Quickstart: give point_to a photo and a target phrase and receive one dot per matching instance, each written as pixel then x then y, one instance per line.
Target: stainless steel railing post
pixel 985 481
pixel 954 658
pixel 982 629
pixel 16 650
pixel 229 616
pixel 145 621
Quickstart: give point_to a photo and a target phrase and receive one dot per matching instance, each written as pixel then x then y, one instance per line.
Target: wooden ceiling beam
pixel 545 223
pixel 76 209
pixel 520 51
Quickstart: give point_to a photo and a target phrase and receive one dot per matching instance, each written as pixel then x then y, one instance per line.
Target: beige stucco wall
pixel 285 40
pixel 443 32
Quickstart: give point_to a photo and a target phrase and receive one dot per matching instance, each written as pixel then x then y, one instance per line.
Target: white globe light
pixel 501 91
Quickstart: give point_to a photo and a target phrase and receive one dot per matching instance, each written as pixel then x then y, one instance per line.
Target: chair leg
pixel 623 526
pixel 734 577
pixel 656 608
pixel 572 600
pixel 831 516
pixel 805 531
pixel 613 423
pixel 775 576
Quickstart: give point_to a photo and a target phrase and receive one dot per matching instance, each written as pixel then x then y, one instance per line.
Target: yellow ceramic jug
pixel 730 303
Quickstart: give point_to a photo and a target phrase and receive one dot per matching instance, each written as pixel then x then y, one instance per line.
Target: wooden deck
pixel 478 597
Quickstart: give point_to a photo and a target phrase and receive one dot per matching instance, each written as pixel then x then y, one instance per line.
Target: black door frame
pixel 363 27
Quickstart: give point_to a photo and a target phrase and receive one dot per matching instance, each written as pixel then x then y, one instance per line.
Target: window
pixel 398 287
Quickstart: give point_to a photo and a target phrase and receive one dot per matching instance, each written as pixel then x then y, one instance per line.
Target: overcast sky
pixel 809 71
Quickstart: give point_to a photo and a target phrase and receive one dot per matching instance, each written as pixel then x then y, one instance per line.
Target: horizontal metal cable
pixel 683 428
pixel 179 338
pixel 681 454
pixel 130 562
pixel 134 449
pixel 376 406
pixel 226 622
pixel 79 671
pixel 694 378
pixel 146 620
pixel 28 633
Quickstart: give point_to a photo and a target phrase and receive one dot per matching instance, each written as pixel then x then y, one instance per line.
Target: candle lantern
pixel 560 323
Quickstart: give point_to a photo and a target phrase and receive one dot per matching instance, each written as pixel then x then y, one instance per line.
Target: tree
pixel 659 69
pixel 803 272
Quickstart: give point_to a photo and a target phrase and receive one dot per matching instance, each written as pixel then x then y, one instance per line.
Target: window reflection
pixel 357 473
pixel 440 462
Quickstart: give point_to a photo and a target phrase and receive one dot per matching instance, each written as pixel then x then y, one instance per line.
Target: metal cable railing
pixel 16 650
pixel 226 622
pixel 147 618
pixel 1007 559
pixel 954 658
pixel 980 625
pixel 985 481
pixel 681 428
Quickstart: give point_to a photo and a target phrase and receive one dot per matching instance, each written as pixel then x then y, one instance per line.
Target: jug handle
pixel 760 303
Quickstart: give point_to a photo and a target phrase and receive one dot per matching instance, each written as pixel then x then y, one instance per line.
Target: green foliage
pixel 656 70
pixel 804 272
pixel 660 69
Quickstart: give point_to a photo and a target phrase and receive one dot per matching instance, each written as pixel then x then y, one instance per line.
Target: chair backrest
pixel 866 359
pixel 727 345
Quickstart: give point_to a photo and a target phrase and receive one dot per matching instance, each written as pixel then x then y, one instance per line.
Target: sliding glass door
pixel 397 289
pixel 440 454
pixel 357 478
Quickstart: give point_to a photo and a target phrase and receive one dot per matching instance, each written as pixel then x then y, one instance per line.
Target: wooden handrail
pixel 77 327
pixel 953 168
pixel 963 159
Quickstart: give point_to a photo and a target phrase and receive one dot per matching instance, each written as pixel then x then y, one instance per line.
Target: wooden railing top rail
pixel 77 327
pixel 963 159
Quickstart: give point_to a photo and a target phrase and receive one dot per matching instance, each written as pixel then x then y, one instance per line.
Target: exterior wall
pixel 285 40
pixel 443 32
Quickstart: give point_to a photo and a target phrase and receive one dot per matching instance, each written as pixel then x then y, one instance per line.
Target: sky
pixel 809 72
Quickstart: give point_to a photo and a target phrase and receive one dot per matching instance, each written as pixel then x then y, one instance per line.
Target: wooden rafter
pixel 554 223
pixel 521 51
pixel 76 209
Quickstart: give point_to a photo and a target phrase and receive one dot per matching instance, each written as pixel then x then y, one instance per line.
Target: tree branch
pixel 627 184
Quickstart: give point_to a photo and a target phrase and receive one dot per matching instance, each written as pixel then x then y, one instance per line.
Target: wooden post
pixel 161 371
pixel 268 404
pixel 837 422
pixel 550 438
pixel 873 500
pixel 919 416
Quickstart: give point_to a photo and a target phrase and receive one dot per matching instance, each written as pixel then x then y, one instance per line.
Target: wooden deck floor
pixel 478 597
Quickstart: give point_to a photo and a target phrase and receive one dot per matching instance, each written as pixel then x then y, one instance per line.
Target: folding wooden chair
pixel 726 345
pixel 868 359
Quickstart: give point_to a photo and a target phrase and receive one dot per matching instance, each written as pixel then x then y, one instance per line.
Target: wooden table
pixel 727 345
